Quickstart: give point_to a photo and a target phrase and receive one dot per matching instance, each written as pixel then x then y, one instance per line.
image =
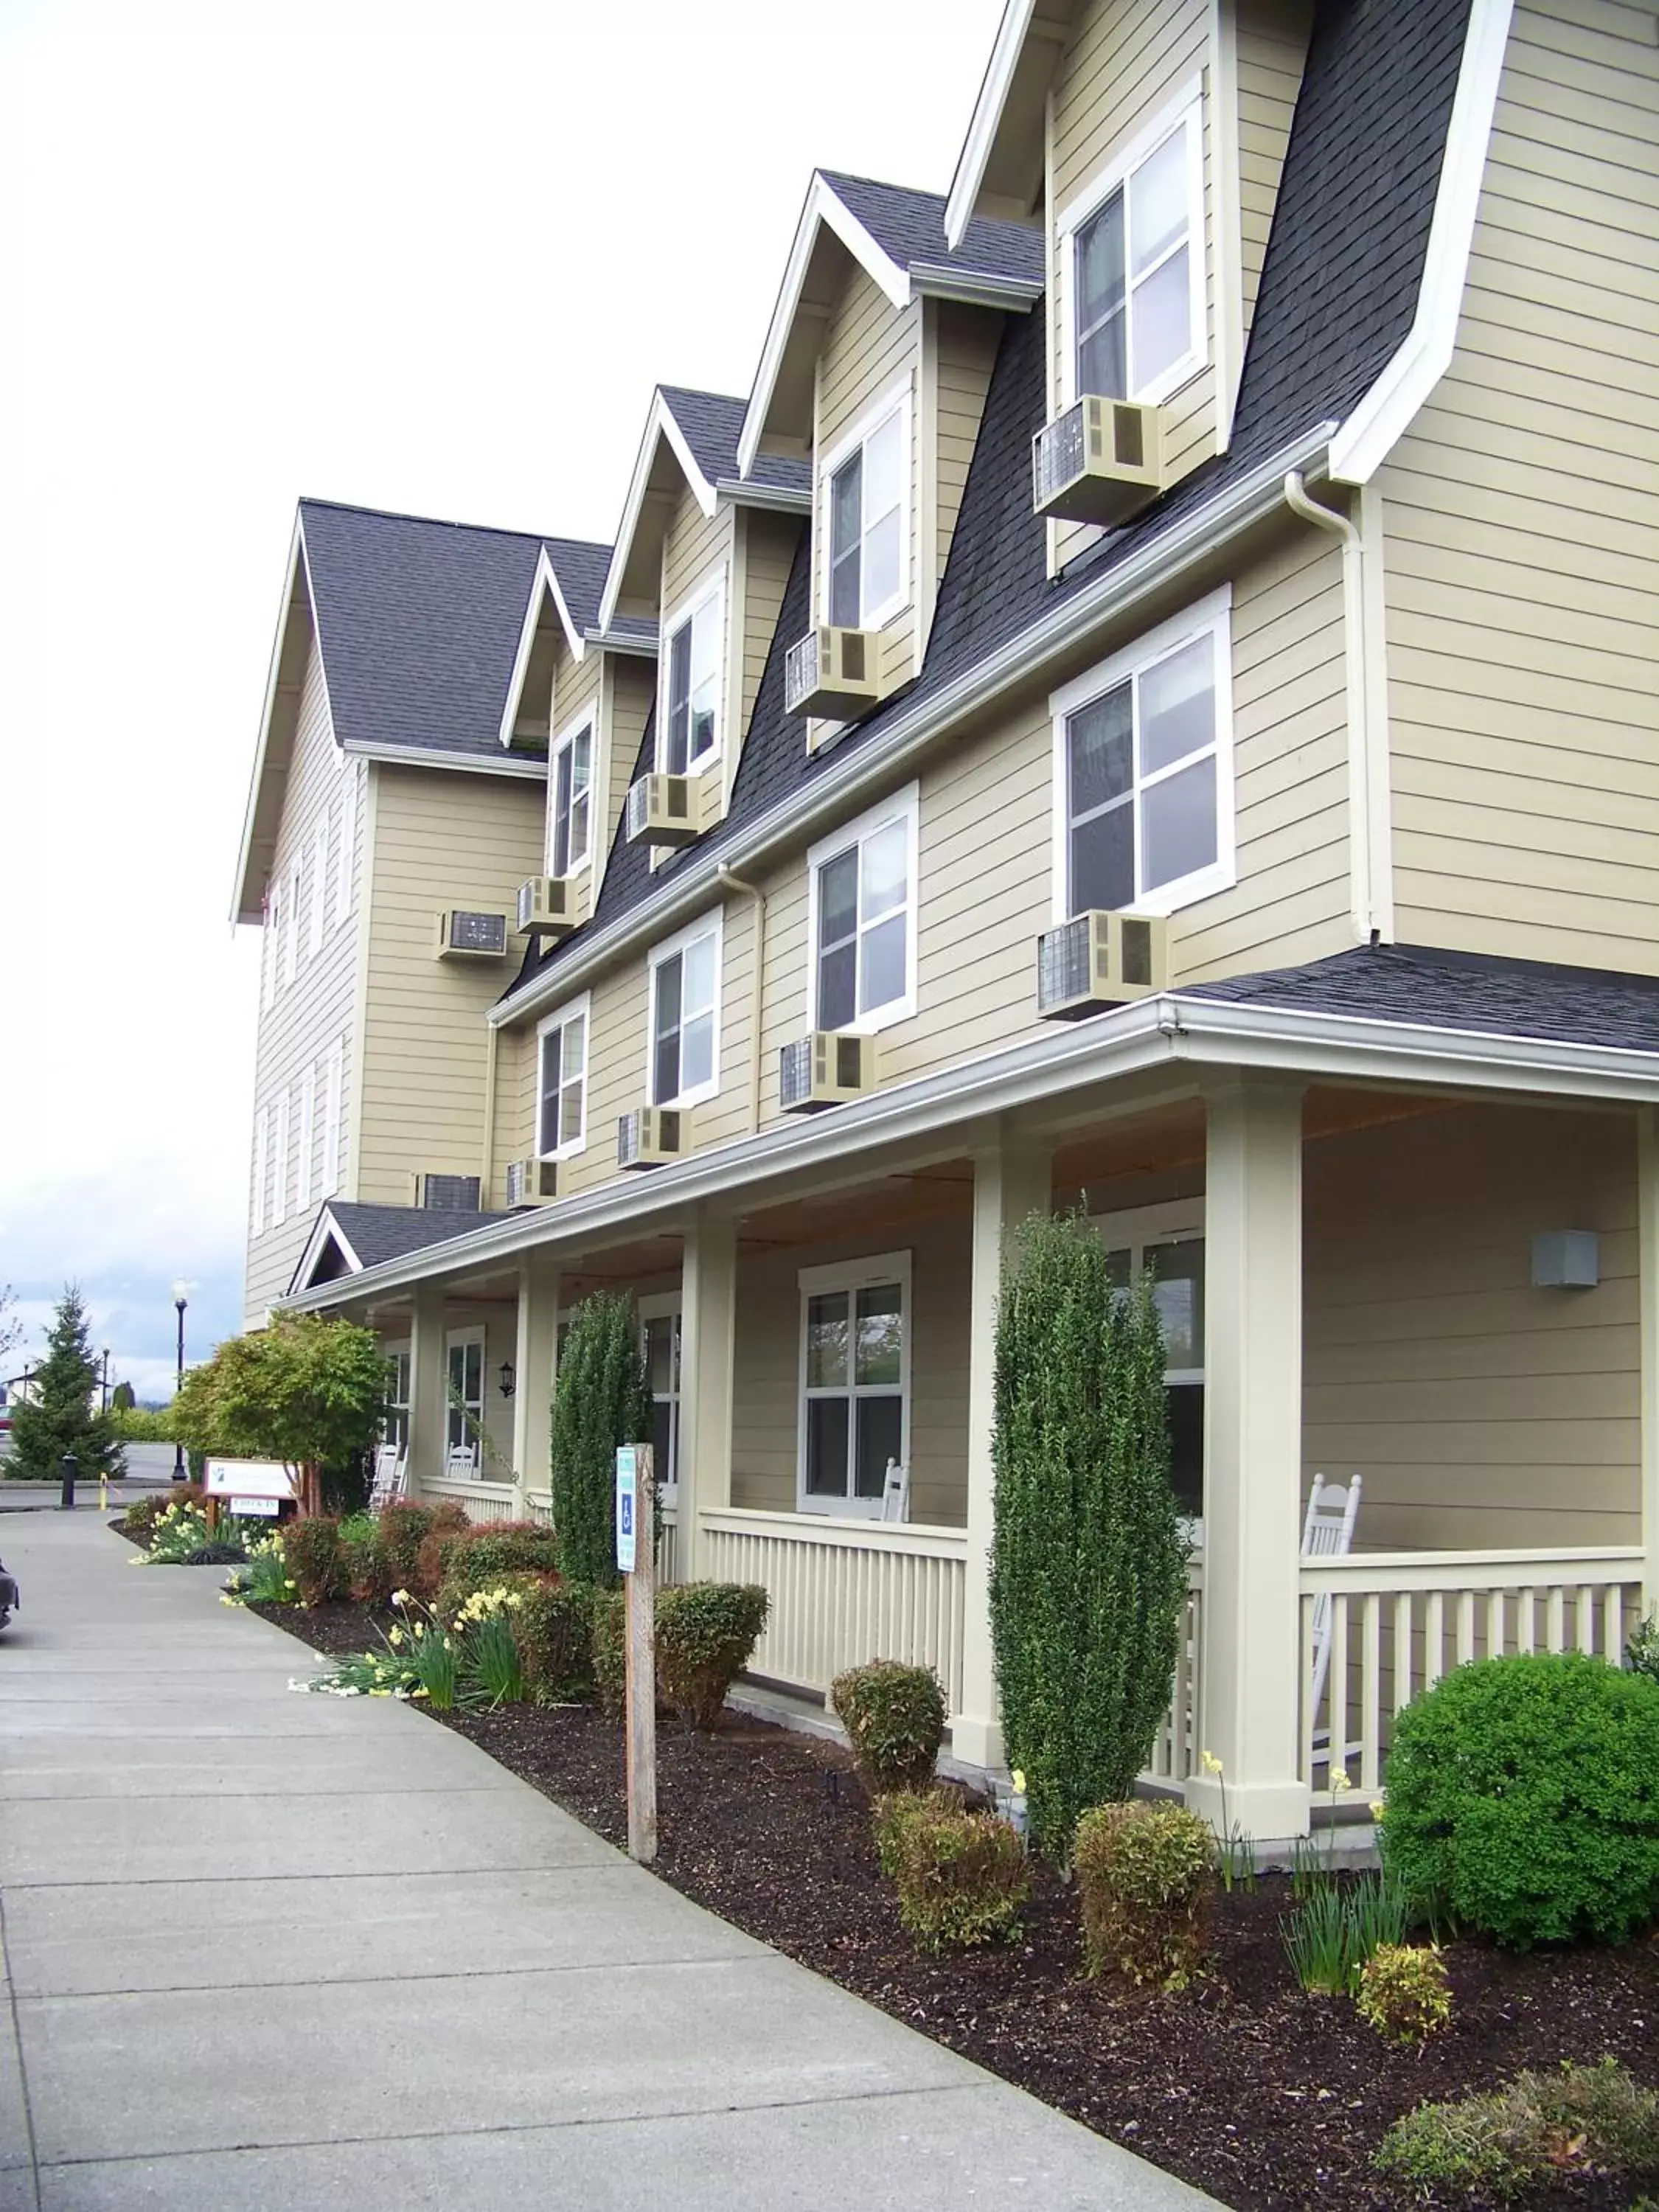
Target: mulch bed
pixel 1267 2099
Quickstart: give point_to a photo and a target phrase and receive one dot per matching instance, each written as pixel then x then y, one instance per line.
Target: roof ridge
pixel 701 392
pixel 428 522
pixel 881 184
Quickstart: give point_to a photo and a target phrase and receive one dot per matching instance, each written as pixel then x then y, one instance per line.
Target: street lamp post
pixel 180 1301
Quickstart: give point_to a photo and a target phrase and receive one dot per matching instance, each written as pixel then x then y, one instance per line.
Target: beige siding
pixel 1273 45
pixel 302 1022
pixel 631 690
pixel 967 341
pixel 1523 547
pixel 694 548
pixel 768 554
pixel 442 839
pixel 1479 1410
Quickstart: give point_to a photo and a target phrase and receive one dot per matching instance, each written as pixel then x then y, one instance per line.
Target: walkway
pixel 309 1952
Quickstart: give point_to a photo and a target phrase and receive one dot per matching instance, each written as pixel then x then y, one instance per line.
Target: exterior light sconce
pixel 508 1378
pixel 1566 1259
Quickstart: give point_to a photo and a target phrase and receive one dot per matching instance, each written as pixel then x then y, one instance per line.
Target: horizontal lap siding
pixel 1480 1411
pixel 1522 549
pixel 967 349
pixel 768 554
pixel 1272 44
pixel 632 689
pixel 694 548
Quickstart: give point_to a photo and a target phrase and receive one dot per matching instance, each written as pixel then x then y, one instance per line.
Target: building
pixel 1330 663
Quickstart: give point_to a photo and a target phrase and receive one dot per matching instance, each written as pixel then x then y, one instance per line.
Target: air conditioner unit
pixel 448 1194
pixel 531 1182
pixel 547 906
pixel 1101 461
pixel 824 1068
pixel 651 1137
pixel 672 810
pixel 464 936
pixel 1097 960
pixel 833 673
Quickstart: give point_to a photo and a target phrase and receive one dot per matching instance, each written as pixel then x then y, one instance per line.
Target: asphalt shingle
pixel 908 226
pixel 712 422
pixel 376 1233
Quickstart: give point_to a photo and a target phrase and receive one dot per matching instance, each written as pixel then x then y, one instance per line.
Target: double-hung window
pixel 464 1358
pixel 861 902
pixel 1167 1243
pixel 1135 267
pixel 570 841
pixel 1143 771
pixel 684 1041
pixel 659 1328
pixel 691 699
pixel 394 1430
pixel 865 504
pixel 562 1083
pixel 855 1382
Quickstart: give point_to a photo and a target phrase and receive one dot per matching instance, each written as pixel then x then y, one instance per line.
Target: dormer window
pixel 570 839
pixel 691 704
pixel 865 500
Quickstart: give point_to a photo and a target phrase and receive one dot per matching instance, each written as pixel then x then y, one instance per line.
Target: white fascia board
pixel 544 582
pixel 974 288
pixel 982 126
pixel 1381 418
pixel 325 1229
pixel 620 641
pixel 865 773
pixel 241 896
pixel 823 206
pixel 659 423
pixel 532 771
pixel 743 492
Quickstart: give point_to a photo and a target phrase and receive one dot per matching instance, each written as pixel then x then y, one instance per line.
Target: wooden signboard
pixel 636 1523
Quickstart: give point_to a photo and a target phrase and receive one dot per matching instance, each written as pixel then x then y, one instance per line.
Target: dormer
pixel 876 367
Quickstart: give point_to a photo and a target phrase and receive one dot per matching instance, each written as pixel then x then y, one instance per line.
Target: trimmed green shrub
pixel 554 1631
pixel 472 1559
pixel 609 1651
pixel 404 1528
pixel 1088 1563
pixel 141 1515
pixel 1641 1651
pixel 962 1876
pixel 311 1550
pixel 705 1633
pixel 1523 1799
pixel 894 1715
pixel 602 1398
pixel 1535 2128
pixel 363 1564
pixel 1147 1877
pixel 1404 1992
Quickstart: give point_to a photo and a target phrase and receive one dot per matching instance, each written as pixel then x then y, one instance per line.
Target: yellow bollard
pixel 103 1492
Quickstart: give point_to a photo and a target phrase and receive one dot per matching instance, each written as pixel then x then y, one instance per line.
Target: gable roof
pixel 345 1237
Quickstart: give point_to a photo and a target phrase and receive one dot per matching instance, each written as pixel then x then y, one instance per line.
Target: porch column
pixel 1011 1179
pixel 535 1358
pixel 1647 1216
pixel 1251 1639
pixel 708 1304
pixel 429 1385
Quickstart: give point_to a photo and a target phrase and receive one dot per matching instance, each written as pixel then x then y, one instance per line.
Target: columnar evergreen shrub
pixel 1146 1875
pixel 894 1717
pixel 705 1633
pixel 1088 1564
pixel 1523 1799
pixel 962 1876
pixel 602 1399
pixel 311 1551
pixel 63 1415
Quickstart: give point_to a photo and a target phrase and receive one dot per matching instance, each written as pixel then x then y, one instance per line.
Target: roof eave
pixel 971 163
pixel 660 426
pixel 976 287
pixel 247 902
pixel 786 499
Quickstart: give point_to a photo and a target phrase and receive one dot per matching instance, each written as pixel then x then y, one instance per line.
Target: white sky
pixel 430 256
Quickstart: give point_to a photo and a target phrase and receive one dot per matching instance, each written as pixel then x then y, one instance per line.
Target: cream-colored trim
pixel 544 582
pixel 903 806
pixel 1379 776
pixel 1647 1216
pixel 1227 215
pixel 326 1229
pixel 530 769
pixel 545 1028
pixel 897 399
pixel 486 1145
pixel 976 153
pixel 852 1275
pixel 659 424
pixel 925 526
pixel 245 896
pixel 710 923
pixel 369 811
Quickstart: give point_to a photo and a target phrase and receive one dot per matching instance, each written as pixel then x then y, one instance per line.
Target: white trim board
pixel 971 163
pixel 325 1229
pixel 544 582
pixel 659 424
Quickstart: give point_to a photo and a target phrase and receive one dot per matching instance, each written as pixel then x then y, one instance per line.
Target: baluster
pixel 1465 1627
pixel 1495 1624
pixel 1404 1658
pixel 1526 1619
pixel 1370 1696
pixel 1555 1619
pixel 1434 1638
pixel 1612 1623
pixel 1336 1682
pixel 1584 1617
pixel 1307 1679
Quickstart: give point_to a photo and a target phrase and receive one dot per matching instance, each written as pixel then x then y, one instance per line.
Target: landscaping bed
pixel 1242 2085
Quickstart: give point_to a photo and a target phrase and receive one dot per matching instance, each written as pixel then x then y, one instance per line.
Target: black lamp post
pixel 105 1400
pixel 180 1301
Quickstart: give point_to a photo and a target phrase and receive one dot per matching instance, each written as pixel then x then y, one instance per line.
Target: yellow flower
pixel 1018 1777
pixel 1378 1809
pixel 400 1597
pixel 1339 1780
pixel 395 1636
pixel 1211 1764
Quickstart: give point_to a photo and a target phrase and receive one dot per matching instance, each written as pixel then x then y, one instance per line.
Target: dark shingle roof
pixel 419 624
pixel 712 422
pixel 392 1232
pixel 910 228
pixel 581 568
pixel 1474 991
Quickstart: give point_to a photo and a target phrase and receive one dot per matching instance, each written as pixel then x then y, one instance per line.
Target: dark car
pixel 8 1598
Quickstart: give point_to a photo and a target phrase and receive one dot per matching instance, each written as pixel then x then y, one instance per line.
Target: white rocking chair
pixel 461 1462
pixel 1327 1534
pixel 391 1479
pixel 896 1492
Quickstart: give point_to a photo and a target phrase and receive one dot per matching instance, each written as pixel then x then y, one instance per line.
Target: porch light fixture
pixel 1566 1259
pixel 507 1378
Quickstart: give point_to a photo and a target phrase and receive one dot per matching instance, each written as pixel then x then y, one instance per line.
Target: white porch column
pixel 708 1306
pixel 1647 1216
pixel 535 1358
pixel 1250 1646
pixel 1010 1180
pixel 429 1385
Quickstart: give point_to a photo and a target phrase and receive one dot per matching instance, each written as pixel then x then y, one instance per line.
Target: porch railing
pixel 1394 1622
pixel 484 1502
pixel 1179 1747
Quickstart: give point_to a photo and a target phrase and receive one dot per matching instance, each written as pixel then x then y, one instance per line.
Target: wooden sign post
pixel 636 1523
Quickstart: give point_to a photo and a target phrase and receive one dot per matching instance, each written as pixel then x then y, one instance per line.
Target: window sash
pixel 693 672
pixel 1131 800
pixel 660 1343
pixel 865 509
pixel 394 1430
pixel 562 1090
pixel 1134 282
pixel 871 1422
pixel 682 1004
pixel 857 934
pixel 464 1372
pixel 573 772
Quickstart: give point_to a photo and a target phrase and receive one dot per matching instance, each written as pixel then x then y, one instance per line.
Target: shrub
pixel 554 1631
pixel 610 1650
pixel 473 1559
pixel 311 1549
pixel 404 1528
pixel 1088 1565
pixel 600 1400
pixel 1523 1798
pixel 1641 1651
pixel 1336 1927
pixel 1534 2128
pixel 894 1718
pixel 1146 1874
pixel 962 1876
pixel 1404 1992
pixel 705 1632
pixel 141 1517
pixel 363 1564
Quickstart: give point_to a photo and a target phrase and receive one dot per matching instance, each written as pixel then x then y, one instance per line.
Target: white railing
pixel 1176 1753
pixel 845 1591
pixel 668 1543
pixel 539 1506
pixel 1399 1620
pixel 484 1502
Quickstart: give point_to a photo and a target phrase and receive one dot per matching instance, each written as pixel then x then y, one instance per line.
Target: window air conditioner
pixel 1101 461
pixel 1099 960
pixel 673 810
pixel 464 936
pixel 448 1194
pixel 651 1137
pixel 824 1068
pixel 833 673
pixel 547 906
pixel 531 1182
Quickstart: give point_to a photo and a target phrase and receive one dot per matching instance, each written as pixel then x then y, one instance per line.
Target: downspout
pixel 487 1157
pixel 1371 908
pixel 729 882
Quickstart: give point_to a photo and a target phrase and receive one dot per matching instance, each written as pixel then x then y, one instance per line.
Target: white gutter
pixel 742 491
pixel 976 288
pixel 1020 661
pixel 468 764
pixel 1166 1032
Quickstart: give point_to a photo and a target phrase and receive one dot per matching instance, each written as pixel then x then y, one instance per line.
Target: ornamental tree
pixel 602 1398
pixel 308 1391
pixel 63 1415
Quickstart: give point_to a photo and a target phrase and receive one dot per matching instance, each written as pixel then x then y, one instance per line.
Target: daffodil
pixel 1378 1809
pixel 1211 1764
pixel 1339 1780
pixel 1018 1777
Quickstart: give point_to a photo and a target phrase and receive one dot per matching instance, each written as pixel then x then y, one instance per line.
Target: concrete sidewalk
pixel 267 1950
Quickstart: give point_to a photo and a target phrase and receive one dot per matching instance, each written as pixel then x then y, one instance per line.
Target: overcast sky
pixel 424 257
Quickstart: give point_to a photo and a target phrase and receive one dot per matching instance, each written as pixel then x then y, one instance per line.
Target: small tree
pixel 1088 1564
pixel 602 1398
pixel 121 1399
pixel 309 1392
pixel 63 1416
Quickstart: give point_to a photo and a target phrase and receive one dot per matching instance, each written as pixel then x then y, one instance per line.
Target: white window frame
pixel 665 1305
pixel 318 887
pixel 1211 616
pixel 346 852
pixel 261 1152
pixel 334 1084
pixel 905 806
pixel 710 590
pixel 587 721
pixel 279 1161
pixel 394 1430
pixel 853 1276
pixel 555 1025
pixel 307 1135
pixel 896 400
pixel 270 947
pixel 715 923
pixel 1185 111
pixel 291 922
pixel 1178 1221
pixel 455 1339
